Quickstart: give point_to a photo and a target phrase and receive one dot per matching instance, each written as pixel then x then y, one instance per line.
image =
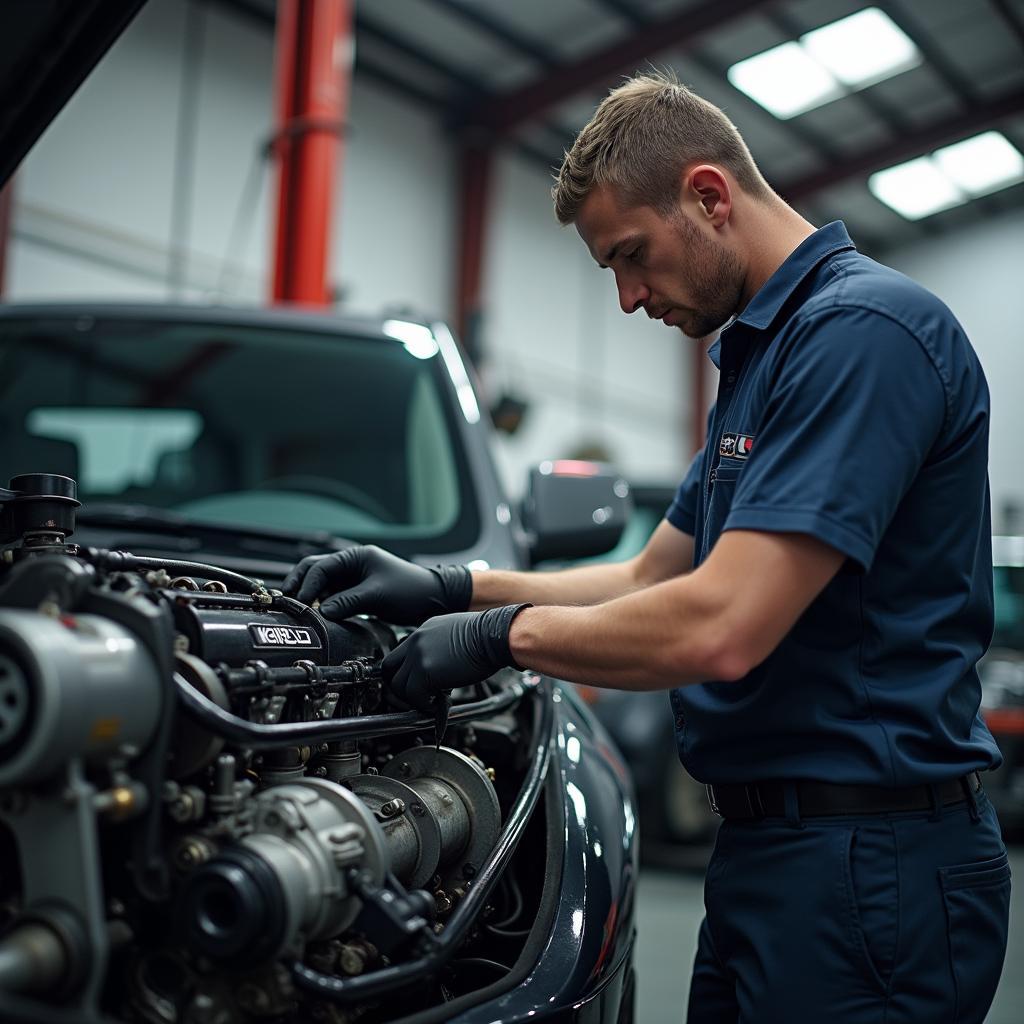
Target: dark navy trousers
pixel 888 919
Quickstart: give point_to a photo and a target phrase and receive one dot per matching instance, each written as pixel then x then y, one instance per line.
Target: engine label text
pixel 283 636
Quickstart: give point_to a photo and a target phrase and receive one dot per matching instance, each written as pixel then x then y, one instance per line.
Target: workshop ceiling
pixel 530 73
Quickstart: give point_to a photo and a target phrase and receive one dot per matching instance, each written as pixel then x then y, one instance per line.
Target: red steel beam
pixel 909 145
pixel 314 71
pixel 6 202
pixel 476 163
pixel 503 113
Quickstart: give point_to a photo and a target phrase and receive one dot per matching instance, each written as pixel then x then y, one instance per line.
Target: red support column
pixel 6 201
pixel 476 161
pixel 699 391
pixel 314 71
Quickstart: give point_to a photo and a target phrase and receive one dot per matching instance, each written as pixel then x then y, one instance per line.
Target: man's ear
pixel 706 184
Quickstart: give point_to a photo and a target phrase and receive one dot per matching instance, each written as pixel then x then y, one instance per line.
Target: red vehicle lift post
pixel 313 77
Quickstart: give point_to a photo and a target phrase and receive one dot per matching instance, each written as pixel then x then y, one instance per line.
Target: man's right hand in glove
pixel 366 579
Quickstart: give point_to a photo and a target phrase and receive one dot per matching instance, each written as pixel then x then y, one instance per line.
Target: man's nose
pixel 632 295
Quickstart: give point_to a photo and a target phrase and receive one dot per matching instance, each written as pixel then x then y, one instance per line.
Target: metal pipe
pixel 262 737
pixel 476 161
pixel 348 990
pixel 314 71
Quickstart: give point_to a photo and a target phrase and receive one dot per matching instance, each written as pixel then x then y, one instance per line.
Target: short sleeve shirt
pixel 851 408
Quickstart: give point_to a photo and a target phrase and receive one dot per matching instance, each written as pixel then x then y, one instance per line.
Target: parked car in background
pixel 1002 682
pixel 674 808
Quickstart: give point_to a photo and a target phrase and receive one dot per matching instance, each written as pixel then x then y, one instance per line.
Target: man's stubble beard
pixel 716 282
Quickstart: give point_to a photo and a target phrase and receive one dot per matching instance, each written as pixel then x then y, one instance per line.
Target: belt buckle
pixel 710 790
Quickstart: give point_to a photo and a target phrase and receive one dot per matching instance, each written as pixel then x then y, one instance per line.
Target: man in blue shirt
pixel 816 599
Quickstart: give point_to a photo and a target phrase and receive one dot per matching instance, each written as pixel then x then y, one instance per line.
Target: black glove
pixel 450 651
pixel 370 580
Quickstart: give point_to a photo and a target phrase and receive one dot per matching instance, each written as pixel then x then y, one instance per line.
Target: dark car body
pixel 67 363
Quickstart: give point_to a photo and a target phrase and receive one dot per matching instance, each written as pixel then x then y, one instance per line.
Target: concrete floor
pixel 670 910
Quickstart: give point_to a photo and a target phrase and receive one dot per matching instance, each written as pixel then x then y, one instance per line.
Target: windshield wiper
pixel 147 517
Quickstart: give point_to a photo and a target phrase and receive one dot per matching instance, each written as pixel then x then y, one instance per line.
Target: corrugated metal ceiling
pixel 462 57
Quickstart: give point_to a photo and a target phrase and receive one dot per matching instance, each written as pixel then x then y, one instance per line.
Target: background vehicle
pixel 209 808
pixel 1002 682
pixel 674 807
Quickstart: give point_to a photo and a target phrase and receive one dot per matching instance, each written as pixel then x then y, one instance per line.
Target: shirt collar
pixel 765 305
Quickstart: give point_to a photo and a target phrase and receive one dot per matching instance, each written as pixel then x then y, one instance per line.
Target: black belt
pixel 823 799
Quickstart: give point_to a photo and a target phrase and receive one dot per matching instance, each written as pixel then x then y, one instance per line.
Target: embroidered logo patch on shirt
pixel 736 446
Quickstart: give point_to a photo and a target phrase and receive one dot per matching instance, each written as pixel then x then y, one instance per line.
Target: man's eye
pixel 635 256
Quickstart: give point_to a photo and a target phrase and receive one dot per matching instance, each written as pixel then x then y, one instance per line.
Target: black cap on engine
pixel 232 908
pixel 38 503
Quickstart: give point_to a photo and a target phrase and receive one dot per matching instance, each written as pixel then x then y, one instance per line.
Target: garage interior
pixel 394 159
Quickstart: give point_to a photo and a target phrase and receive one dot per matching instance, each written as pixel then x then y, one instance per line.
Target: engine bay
pixel 210 811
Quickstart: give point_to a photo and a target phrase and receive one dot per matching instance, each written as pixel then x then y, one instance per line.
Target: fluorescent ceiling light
pixel 949 176
pixel 785 80
pixel 863 48
pixel 916 189
pixel 825 64
pixel 982 164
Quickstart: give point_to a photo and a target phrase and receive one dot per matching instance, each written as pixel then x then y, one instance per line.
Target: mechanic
pixel 816 598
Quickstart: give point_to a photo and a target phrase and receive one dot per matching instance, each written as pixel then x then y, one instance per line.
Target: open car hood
pixel 47 47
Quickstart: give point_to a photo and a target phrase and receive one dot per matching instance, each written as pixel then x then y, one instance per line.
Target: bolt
pixel 447 799
pixel 352 959
pixel 418 810
pixel 490 773
pixel 392 807
pixel 405 769
pixel 443 901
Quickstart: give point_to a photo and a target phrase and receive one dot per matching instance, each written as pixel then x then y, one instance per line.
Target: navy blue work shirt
pixel 851 407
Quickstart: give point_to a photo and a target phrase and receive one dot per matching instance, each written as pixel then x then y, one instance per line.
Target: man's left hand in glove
pixel 449 651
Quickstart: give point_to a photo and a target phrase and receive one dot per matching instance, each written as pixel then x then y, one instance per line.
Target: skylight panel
pixel 785 80
pixel 864 48
pixel 916 189
pixel 949 176
pixel 823 65
pixel 982 164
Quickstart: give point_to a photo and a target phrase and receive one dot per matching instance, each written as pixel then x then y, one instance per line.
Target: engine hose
pixel 114 561
pixel 366 986
pixel 237 679
pixel 261 737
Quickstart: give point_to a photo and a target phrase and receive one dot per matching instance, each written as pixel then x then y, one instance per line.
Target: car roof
pixel 47 48
pixel 279 317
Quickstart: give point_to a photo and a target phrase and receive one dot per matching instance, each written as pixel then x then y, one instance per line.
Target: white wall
pixel 93 200
pixel 93 215
pixel 554 332
pixel 979 273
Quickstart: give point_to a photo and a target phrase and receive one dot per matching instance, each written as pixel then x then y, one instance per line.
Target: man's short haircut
pixel 639 140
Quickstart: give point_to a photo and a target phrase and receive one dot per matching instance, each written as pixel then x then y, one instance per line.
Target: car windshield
pixel 239 424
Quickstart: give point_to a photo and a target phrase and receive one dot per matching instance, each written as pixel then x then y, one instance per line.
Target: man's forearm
pixel 658 638
pixel 584 585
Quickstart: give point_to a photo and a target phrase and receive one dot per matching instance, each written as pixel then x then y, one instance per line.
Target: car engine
pixel 210 812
